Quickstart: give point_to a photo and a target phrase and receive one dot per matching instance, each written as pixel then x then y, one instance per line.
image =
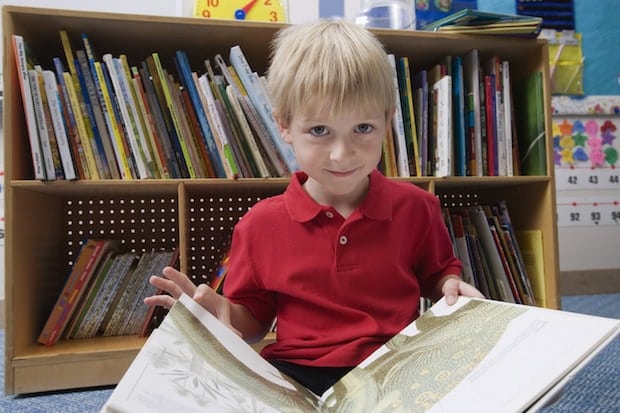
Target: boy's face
pixel 337 152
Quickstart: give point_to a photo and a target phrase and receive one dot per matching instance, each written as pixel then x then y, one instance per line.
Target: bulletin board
pixel 586 145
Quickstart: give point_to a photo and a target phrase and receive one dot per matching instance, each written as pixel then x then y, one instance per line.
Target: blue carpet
pixel 596 389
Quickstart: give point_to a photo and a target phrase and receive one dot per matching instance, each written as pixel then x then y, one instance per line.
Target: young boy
pixel 343 256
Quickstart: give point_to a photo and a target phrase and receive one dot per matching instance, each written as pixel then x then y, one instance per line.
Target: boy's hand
pixel 175 283
pixel 454 286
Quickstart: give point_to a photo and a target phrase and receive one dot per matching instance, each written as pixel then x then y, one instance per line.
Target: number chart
pixel 586 145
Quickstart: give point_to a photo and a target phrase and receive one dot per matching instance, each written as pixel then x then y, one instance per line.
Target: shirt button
pixel 329 214
pixel 343 240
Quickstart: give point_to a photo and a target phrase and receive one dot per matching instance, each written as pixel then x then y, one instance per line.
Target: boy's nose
pixel 341 149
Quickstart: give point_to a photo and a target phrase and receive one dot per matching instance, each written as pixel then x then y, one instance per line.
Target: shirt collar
pixel 302 208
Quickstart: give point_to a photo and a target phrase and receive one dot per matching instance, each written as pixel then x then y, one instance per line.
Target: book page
pixel 492 355
pixel 192 362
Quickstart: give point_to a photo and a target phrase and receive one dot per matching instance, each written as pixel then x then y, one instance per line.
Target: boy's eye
pixel 364 128
pixel 318 131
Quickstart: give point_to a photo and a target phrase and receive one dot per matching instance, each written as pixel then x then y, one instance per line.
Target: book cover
pixel 530 120
pixel 21 61
pixel 450 357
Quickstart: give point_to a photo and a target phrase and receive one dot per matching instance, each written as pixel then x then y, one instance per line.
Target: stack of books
pixel 480 22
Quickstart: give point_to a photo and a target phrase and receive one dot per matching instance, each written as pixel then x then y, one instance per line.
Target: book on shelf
pixel 100 297
pixel 420 104
pixel 73 133
pixel 259 97
pixel 471 76
pixel 187 79
pixel 450 357
pixel 23 65
pixel 442 109
pixel 482 22
pixel 54 106
pixel 398 125
pixel 91 253
pixel 51 154
pixel 143 121
pixel 488 246
pixel 530 120
pixel 405 88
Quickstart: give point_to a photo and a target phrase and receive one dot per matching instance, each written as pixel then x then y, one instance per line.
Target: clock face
pixel 256 10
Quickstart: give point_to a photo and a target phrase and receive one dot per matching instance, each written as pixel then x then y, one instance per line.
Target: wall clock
pixel 255 10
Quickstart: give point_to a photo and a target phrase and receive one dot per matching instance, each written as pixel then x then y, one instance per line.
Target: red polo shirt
pixel 339 288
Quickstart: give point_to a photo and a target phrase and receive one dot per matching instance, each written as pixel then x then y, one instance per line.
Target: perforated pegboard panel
pixel 211 218
pixel 141 222
pixel 458 199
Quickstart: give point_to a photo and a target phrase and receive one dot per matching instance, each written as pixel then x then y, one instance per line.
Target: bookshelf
pixel 45 221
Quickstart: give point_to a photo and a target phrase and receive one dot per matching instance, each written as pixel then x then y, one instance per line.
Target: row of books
pixel 107 119
pixel 104 292
pixel 485 241
pixel 457 118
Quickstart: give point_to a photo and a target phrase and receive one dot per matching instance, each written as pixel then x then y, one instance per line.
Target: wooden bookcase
pixel 45 221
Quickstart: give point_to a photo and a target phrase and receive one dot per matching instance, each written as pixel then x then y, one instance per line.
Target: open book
pixel 476 355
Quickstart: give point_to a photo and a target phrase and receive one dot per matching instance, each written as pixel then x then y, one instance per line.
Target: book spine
pixel 402 161
pixel 206 128
pixel 163 79
pixel 93 111
pixel 39 111
pixel 220 134
pixel 150 126
pixel 51 331
pixel 93 85
pixel 114 127
pixel 84 131
pixel 73 135
pixel 136 149
pixel 135 114
pixel 174 159
pixel 263 106
pixel 55 109
pixel 36 151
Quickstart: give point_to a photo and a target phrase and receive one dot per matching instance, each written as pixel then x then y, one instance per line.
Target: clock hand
pixel 241 13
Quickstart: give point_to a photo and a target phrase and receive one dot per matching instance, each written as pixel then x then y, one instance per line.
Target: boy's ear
pixel 283 126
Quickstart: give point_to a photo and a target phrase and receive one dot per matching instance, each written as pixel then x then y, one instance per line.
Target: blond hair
pixel 331 61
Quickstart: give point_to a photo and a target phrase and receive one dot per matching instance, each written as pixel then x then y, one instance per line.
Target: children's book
pixel 476 21
pixel 496 356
